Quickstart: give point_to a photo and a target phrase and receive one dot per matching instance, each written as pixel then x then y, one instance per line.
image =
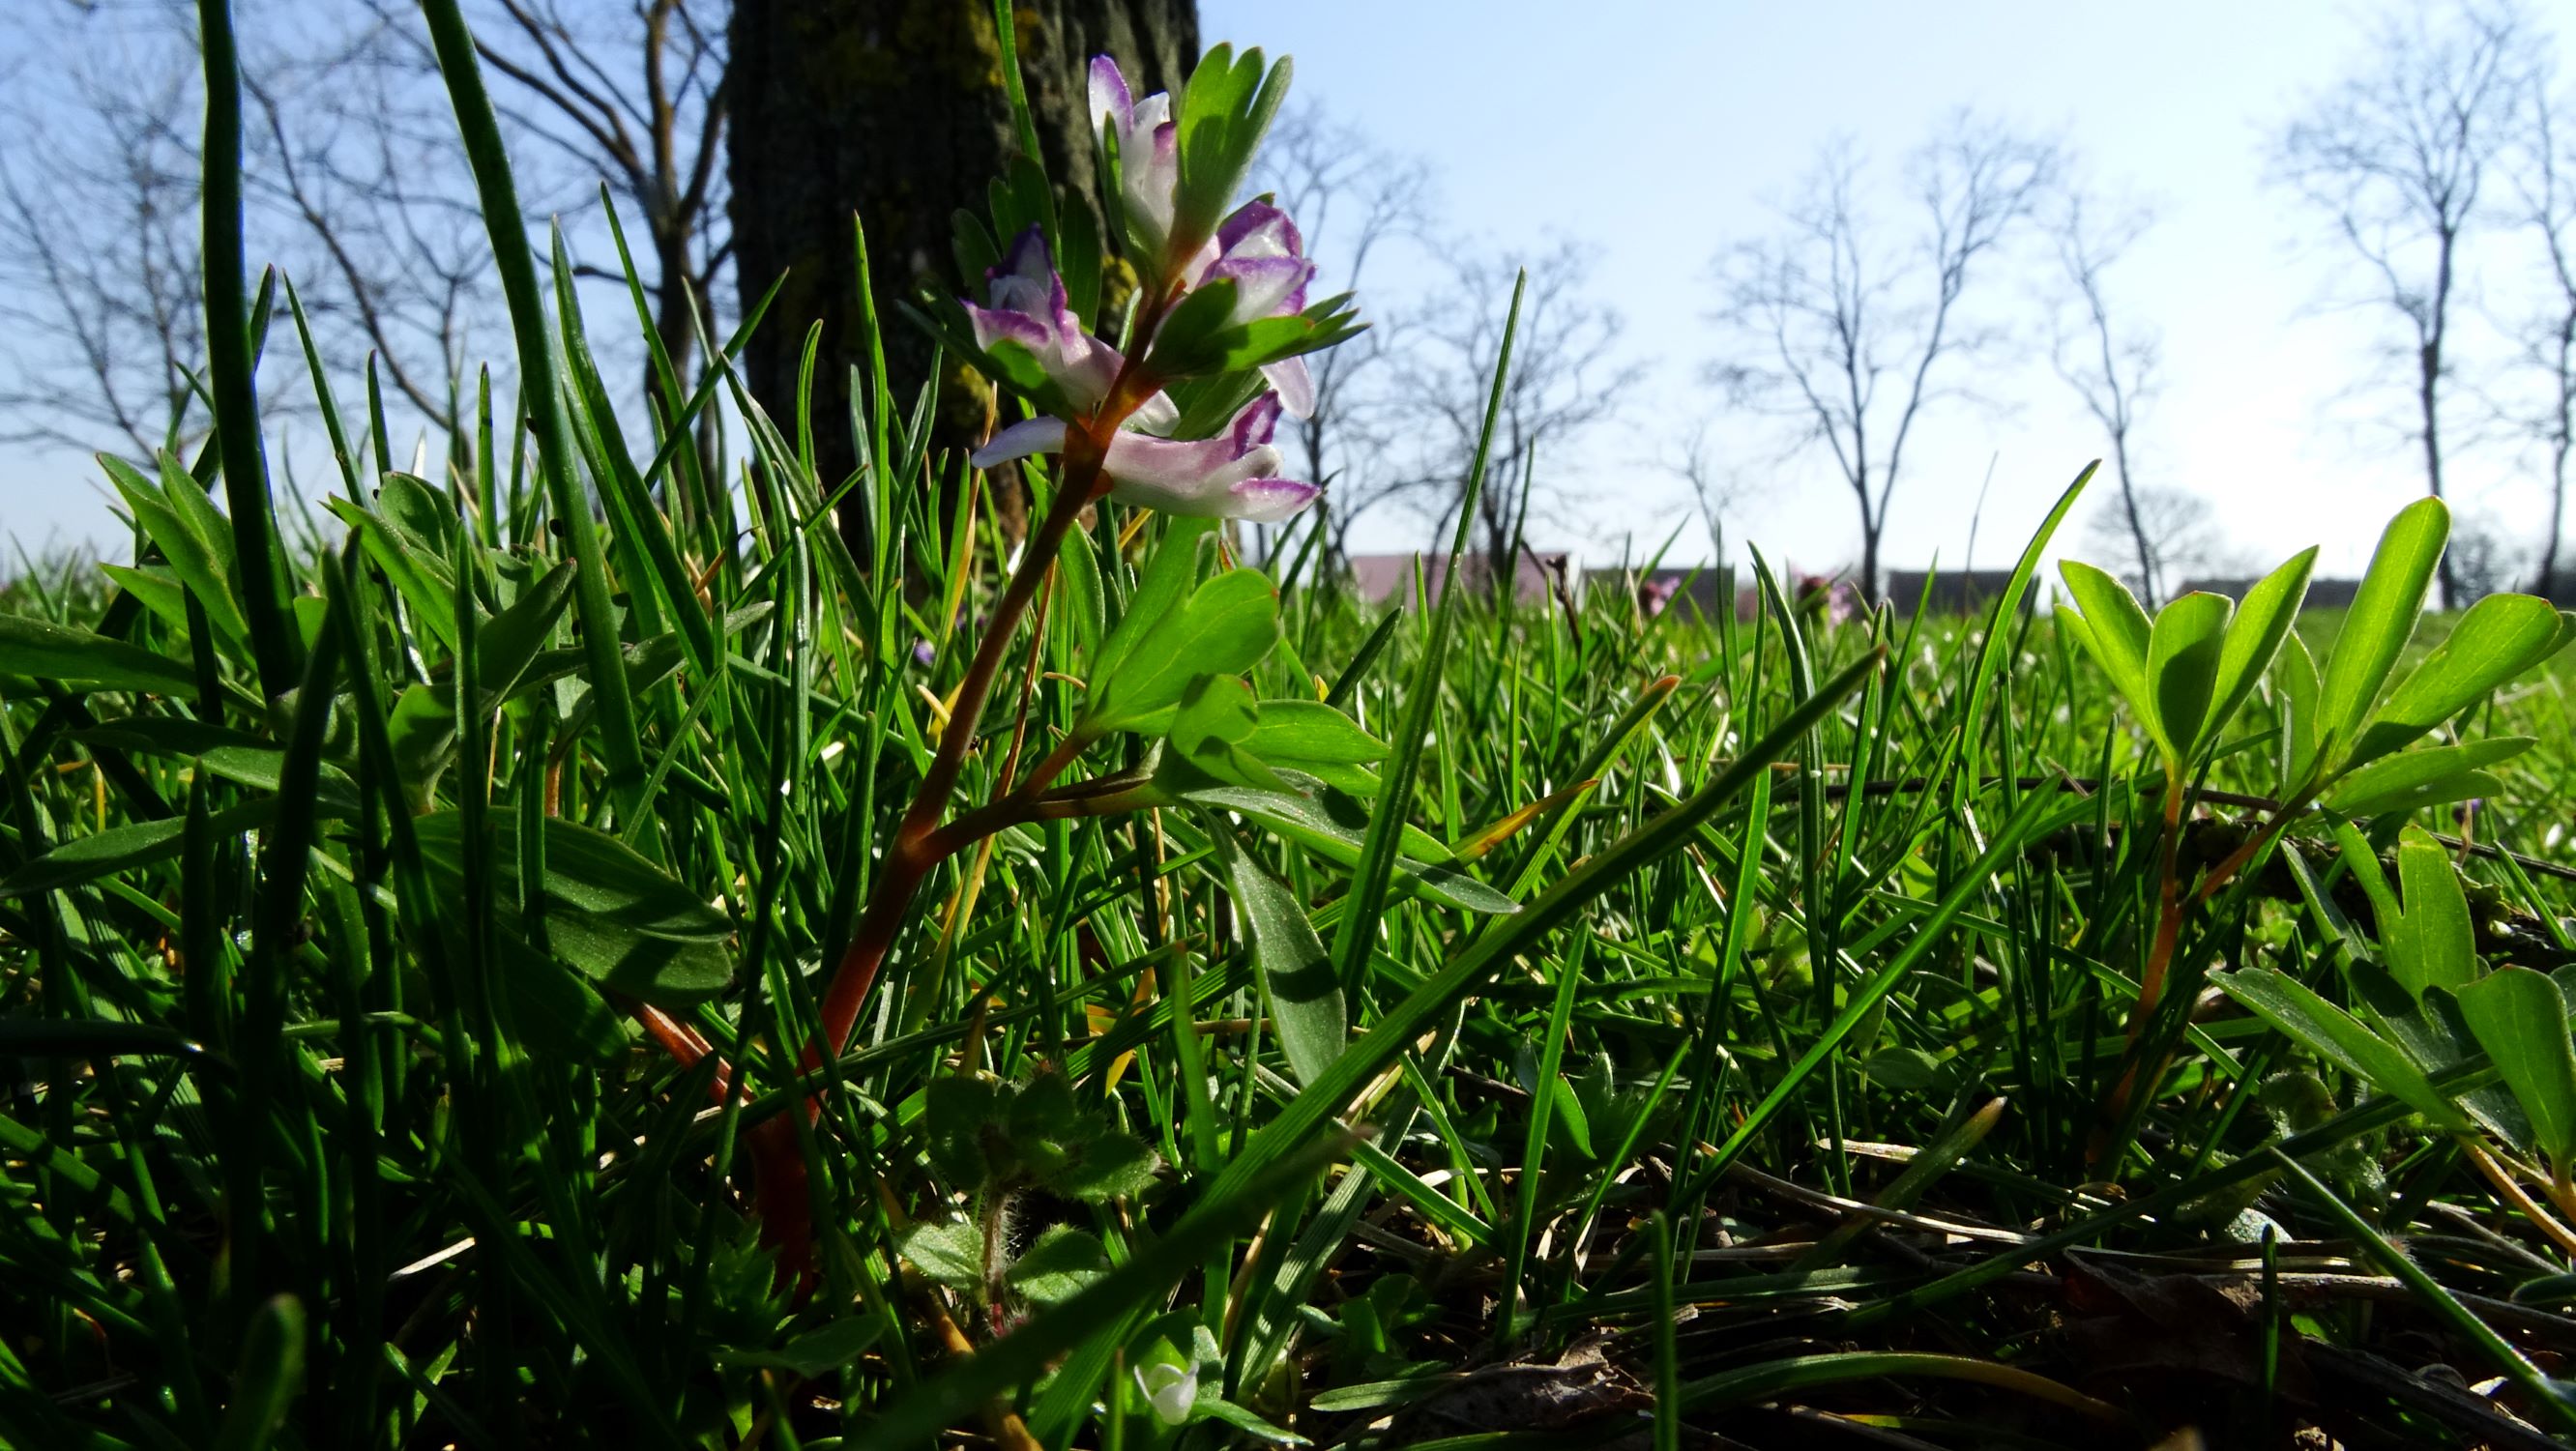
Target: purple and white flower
pixel 1234 475
pixel 1029 308
pixel 1259 250
pixel 1149 151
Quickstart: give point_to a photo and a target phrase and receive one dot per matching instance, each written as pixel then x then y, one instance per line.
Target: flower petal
pixel 1258 229
pixel 1003 325
pixel 1112 110
pixel 1265 286
pixel 1156 414
pixel 1296 385
pixel 1021 439
pixel 1267 501
pixel 1254 426
pixel 1169 473
pixel 1148 174
pixel 1203 477
pixel 1090 366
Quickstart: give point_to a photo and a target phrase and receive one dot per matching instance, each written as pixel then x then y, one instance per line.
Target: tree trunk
pixel 2150 581
pixel 2428 398
pixel 895 110
pixel 2547 587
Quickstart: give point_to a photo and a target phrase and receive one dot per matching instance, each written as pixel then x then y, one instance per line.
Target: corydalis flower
pixel 1258 249
pixel 1234 475
pixel 1149 150
pixel 1029 308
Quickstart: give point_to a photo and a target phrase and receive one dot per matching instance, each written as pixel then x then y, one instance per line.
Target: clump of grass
pixel 1684 1026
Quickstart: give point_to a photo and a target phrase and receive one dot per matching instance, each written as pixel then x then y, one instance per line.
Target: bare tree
pixel 382 235
pixel 356 189
pixel 2168 531
pixel 1846 335
pixel 2545 184
pixel 631 96
pixel 1719 488
pixel 99 272
pixel 1352 198
pixel 2489 557
pixel 1565 380
pixel 2398 156
pixel 2111 367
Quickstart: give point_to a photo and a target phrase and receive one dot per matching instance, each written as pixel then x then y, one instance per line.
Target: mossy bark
pixel 894 110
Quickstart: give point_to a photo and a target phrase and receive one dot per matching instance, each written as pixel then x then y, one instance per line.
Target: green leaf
pixel 2294 675
pixel 2183 655
pixel 507 643
pixel 814 1354
pixel 416 508
pixel 1295 974
pixel 1063 1263
pixel 272 1371
pixel 555 1009
pixel 1309 823
pixel 611 913
pixel 1167 579
pixel 1310 736
pixel 2335 1035
pixel 1218 1408
pixel 2263 621
pixel 2115 632
pixel 422 724
pixel 1199 340
pixel 1091 1326
pixel 2520 1019
pixel 262 768
pixel 46 651
pixel 1229 623
pixel 1043 1108
pixel 421 578
pixel 1111 1166
pixel 192 537
pixel 1076 620
pixel 948 1251
pixel 2434 944
pixel 2434 776
pixel 2381 621
pixel 1221 115
pixel 1216 713
pixel 157 589
pixel 2499 638
pixel 122 848
pixel 958 1110
pixel 2362 860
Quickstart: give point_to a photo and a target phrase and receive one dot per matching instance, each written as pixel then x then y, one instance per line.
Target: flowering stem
pixel 920 843
pixel 917 845
pixel 914 852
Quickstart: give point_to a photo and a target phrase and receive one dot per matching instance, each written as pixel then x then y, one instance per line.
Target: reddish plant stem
pixel 920 843
pixel 784 1200
pixel 915 851
pixel 2172 903
pixel 917 846
pixel 2151 982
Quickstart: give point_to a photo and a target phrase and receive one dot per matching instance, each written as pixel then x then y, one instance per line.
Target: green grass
pixel 375 956
pixel 1538 1113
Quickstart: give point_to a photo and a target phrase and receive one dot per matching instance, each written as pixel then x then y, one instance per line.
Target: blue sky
pixel 1656 132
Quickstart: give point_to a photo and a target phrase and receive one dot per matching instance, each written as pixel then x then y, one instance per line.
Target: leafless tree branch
pixel 1843 336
